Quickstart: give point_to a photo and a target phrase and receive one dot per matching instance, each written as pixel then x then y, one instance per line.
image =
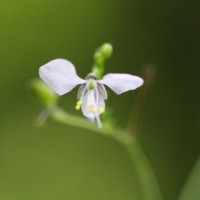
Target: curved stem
pixel 146 176
pixel 149 73
pixel 65 118
pixel 149 184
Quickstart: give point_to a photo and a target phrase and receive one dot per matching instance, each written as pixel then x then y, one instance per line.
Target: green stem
pixel 146 176
pixel 68 119
pixel 149 184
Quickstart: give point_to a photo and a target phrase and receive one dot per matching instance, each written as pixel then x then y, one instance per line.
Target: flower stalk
pixel 147 179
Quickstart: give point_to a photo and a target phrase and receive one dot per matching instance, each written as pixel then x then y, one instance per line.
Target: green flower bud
pixel 43 93
pixel 98 58
pixel 106 50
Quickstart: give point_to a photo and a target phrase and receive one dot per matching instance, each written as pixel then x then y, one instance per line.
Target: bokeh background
pixel 63 162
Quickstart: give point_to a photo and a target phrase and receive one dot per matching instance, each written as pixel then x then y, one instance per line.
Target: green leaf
pixel 191 189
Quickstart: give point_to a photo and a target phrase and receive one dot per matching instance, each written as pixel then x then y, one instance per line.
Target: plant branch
pixel 140 163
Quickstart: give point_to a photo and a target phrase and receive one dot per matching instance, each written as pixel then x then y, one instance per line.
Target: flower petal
pixel 60 75
pixel 81 91
pixel 102 90
pixel 100 103
pixel 120 83
pixel 87 100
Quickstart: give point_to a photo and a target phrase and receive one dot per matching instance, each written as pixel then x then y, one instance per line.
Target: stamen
pixel 78 105
pixel 79 102
pixel 101 110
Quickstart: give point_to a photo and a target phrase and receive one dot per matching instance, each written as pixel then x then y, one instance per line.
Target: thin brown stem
pixel 149 73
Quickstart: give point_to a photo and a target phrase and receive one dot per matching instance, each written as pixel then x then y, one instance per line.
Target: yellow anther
pixel 78 105
pixel 79 102
pixel 101 110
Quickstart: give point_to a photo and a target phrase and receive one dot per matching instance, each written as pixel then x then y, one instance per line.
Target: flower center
pixel 90 108
pixel 91 84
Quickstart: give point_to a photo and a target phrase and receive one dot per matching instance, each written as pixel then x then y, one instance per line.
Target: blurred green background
pixel 61 162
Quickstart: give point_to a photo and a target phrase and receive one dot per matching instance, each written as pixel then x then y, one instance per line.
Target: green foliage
pixel 191 189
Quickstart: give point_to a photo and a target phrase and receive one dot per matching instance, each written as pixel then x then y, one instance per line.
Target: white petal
pixel 60 75
pixel 120 83
pixel 88 100
pixel 81 90
pixel 102 90
pixel 101 102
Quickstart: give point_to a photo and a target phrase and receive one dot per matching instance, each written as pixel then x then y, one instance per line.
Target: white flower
pixel 61 77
